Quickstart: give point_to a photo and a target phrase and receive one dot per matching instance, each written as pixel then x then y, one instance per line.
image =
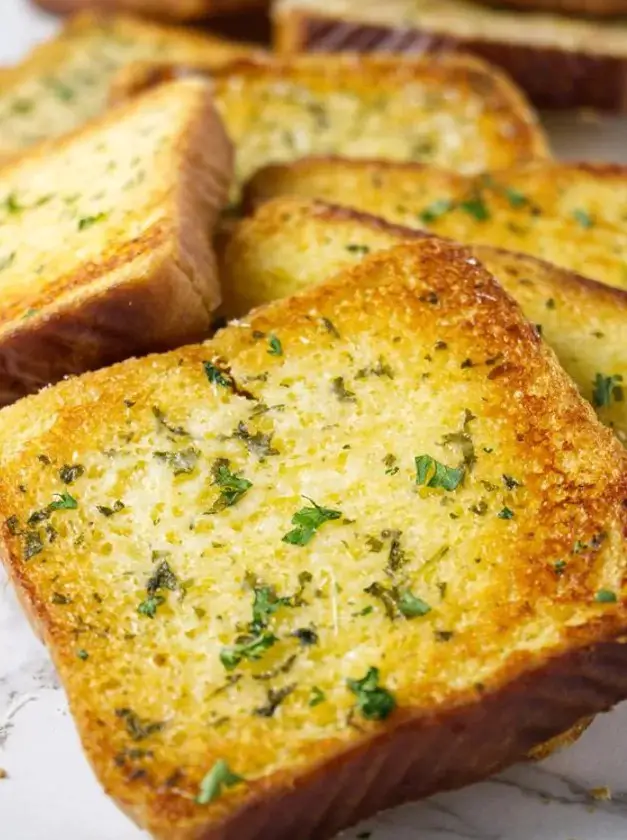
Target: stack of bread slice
pixel 319 562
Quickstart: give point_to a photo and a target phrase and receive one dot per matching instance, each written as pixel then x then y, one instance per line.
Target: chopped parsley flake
pixel 583 218
pixel 434 211
pixel 258 444
pixel 150 606
pixel 217 779
pixel 559 566
pixel 330 327
pixel 110 511
pixel 431 473
pixel 341 391
pixel 82 654
pixel 606 389
pixel 138 728
pixel 70 472
pixel 373 701
pixel 515 197
pixel 505 513
pixel 275 698
pixel 265 604
pixel 32 544
pixel 88 221
pixel 63 501
pixel 162 421
pixel 217 376
pixel 308 520
pixel 358 249
pixel 476 207
pixel 250 648
pixel 316 697
pixel 276 348
pixel 606 596
pixel 182 462
pixel 232 486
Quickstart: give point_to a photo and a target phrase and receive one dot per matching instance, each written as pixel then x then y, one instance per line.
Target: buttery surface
pixel 65 82
pixel 289 243
pixel 107 478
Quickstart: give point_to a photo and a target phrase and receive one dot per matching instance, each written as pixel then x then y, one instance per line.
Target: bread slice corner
pixel 105 242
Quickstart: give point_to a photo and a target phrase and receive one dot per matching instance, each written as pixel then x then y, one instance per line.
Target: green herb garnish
pixel 434 211
pixel 217 376
pixel 217 779
pixel 431 473
pixel 606 596
pixel 505 513
pixel 316 697
pixel 138 728
pixel 606 389
pixel 232 486
pixel 63 501
pixel 182 462
pixel 88 221
pixel 258 444
pixel 373 701
pixel 341 391
pixel 476 207
pixel 276 348
pixel 150 606
pixel 358 249
pixel 308 520
pixel 265 604
pixel 250 649
pixel 110 511
pixel 515 197
pixel 70 472
pixel 583 218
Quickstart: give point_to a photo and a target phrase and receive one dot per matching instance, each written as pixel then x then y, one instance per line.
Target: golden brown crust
pixel 168 9
pixel 547 651
pixel 585 61
pixel 144 292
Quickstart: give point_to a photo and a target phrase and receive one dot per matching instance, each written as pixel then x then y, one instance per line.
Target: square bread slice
pixel 559 61
pixel 65 81
pixel 572 215
pixel 452 111
pixel 321 564
pixel 105 246
pixel 172 9
pixel 290 243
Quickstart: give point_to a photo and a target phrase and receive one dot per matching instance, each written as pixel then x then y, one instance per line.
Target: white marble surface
pixel 51 794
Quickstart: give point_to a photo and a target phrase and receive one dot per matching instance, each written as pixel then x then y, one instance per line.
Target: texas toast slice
pixel 320 564
pixel 573 215
pixel 105 238
pixel 290 243
pixel 65 81
pixel 451 111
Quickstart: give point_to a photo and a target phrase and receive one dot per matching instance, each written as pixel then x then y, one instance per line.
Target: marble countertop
pixel 50 793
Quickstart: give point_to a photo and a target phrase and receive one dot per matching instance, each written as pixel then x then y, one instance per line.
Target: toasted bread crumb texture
pixel 570 215
pixel 290 244
pixel 448 111
pixel 390 472
pixel 180 10
pixel 65 82
pixel 112 197
pixel 458 19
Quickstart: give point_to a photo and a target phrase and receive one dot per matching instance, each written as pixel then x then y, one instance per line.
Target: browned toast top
pixel 372 521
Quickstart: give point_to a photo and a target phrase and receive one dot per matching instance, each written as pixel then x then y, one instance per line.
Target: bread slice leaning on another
pixel 579 7
pixel 318 565
pixel 172 9
pixel 290 243
pixel 451 111
pixel 560 62
pixel 570 214
pixel 105 238
pixel 65 82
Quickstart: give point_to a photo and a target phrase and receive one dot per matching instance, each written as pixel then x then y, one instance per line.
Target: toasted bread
pixel 172 9
pixel 104 238
pixel 560 62
pixel 572 215
pixel 451 111
pixel 317 566
pixel 65 82
pixel 290 243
